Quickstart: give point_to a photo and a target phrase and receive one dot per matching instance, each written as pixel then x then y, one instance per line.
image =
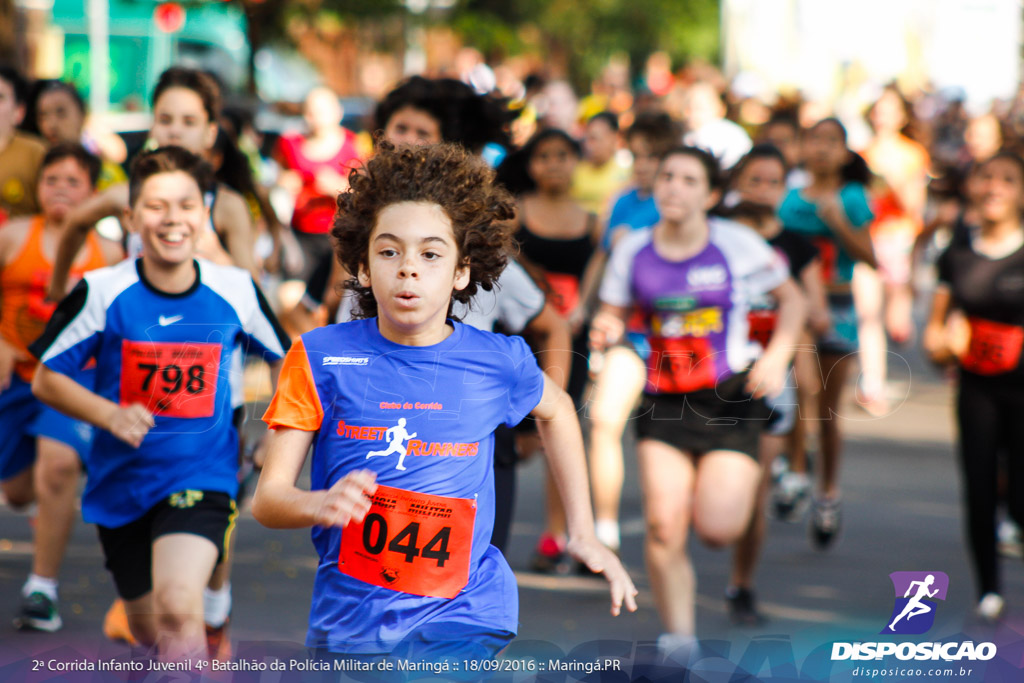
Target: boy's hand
pixel 600 559
pixel 131 424
pixel 348 500
pixel 9 356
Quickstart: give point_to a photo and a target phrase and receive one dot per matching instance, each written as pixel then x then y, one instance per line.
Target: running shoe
pixel 550 557
pixel 680 648
pixel 115 624
pixel 826 519
pixel 218 644
pixel 875 405
pixel 38 613
pixel 991 607
pixel 742 607
pixel 791 496
pixel 1009 539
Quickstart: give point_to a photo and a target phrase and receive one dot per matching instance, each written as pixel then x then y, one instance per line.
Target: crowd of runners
pixel 470 280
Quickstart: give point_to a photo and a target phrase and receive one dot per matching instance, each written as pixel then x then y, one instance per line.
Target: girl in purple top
pixel 702 410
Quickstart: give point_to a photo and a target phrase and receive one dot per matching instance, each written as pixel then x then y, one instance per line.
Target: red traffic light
pixel 169 17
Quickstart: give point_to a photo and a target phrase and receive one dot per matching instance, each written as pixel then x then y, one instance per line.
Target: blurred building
pixel 823 47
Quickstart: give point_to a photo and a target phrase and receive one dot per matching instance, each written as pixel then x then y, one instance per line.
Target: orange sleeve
pixel 296 403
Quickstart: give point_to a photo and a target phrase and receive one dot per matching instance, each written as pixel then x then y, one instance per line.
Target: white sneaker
pixel 1008 537
pixel 677 644
pixel 791 496
pixel 991 607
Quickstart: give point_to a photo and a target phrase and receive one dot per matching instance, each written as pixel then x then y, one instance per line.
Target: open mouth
pixel 173 238
pixel 406 298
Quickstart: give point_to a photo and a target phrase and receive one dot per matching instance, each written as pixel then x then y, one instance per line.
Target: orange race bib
pixel 680 365
pixel 411 542
pixel 994 347
pixel 762 325
pixel 172 379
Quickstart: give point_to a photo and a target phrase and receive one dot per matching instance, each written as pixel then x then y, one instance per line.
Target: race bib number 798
pixel 173 379
pixel 411 542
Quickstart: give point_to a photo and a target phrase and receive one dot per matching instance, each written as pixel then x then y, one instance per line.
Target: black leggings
pixel 991 420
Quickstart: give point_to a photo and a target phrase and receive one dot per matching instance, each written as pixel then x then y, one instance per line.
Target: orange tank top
pixel 24 310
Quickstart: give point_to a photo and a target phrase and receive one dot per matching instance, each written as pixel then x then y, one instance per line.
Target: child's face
pixel 600 142
pixel 552 164
pixel 413 267
pixel 762 181
pixel 1000 190
pixel 825 149
pixel 681 189
pixel 63 185
pixel 169 215
pixel 179 118
pixel 10 111
pixel 58 117
pixel 412 126
pixel 645 163
pixel 786 139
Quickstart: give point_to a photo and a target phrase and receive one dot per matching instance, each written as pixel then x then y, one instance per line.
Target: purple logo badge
pixel 916 593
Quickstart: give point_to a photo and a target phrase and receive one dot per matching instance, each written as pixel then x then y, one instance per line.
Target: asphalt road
pixel 901 513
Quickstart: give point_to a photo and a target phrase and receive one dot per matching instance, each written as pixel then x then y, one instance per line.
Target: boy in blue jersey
pixel 402 516
pixel 162 329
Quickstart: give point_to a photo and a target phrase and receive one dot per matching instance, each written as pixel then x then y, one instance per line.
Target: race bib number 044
pixel 411 542
pixel 172 379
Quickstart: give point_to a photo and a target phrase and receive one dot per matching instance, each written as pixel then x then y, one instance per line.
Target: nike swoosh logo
pixel 164 322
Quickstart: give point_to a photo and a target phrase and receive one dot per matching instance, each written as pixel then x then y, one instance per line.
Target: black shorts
pixel 725 418
pixel 128 549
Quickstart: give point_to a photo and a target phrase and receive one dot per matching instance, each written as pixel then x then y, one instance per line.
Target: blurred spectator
pixel 315 169
pixel 599 176
pixel 56 112
pixel 707 127
pixel 20 154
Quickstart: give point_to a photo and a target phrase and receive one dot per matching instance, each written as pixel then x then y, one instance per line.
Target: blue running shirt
pixel 422 419
pixel 171 353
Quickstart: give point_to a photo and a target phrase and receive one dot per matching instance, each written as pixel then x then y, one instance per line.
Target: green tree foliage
pixel 584 32
pixel 589 31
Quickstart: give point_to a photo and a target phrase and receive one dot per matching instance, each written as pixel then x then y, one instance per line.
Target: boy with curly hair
pixel 400 407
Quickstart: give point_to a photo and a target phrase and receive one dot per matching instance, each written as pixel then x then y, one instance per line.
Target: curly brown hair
pixel 443 174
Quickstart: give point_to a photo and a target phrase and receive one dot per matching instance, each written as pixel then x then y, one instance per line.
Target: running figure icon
pixel 914 606
pixel 396 436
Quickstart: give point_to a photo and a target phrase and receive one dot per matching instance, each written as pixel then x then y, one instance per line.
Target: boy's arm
pixel 563 446
pixel 77 225
pixel 128 423
pixel 279 504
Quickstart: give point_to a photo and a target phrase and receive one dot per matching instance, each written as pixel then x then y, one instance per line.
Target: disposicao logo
pixel 913 613
pixel 916 593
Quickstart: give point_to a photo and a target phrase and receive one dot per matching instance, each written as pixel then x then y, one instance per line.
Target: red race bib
pixel 565 291
pixel 994 348
pixel 172 379
pixel 762 325
pixel 680 365
pixel 828 252
pixel 412 543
